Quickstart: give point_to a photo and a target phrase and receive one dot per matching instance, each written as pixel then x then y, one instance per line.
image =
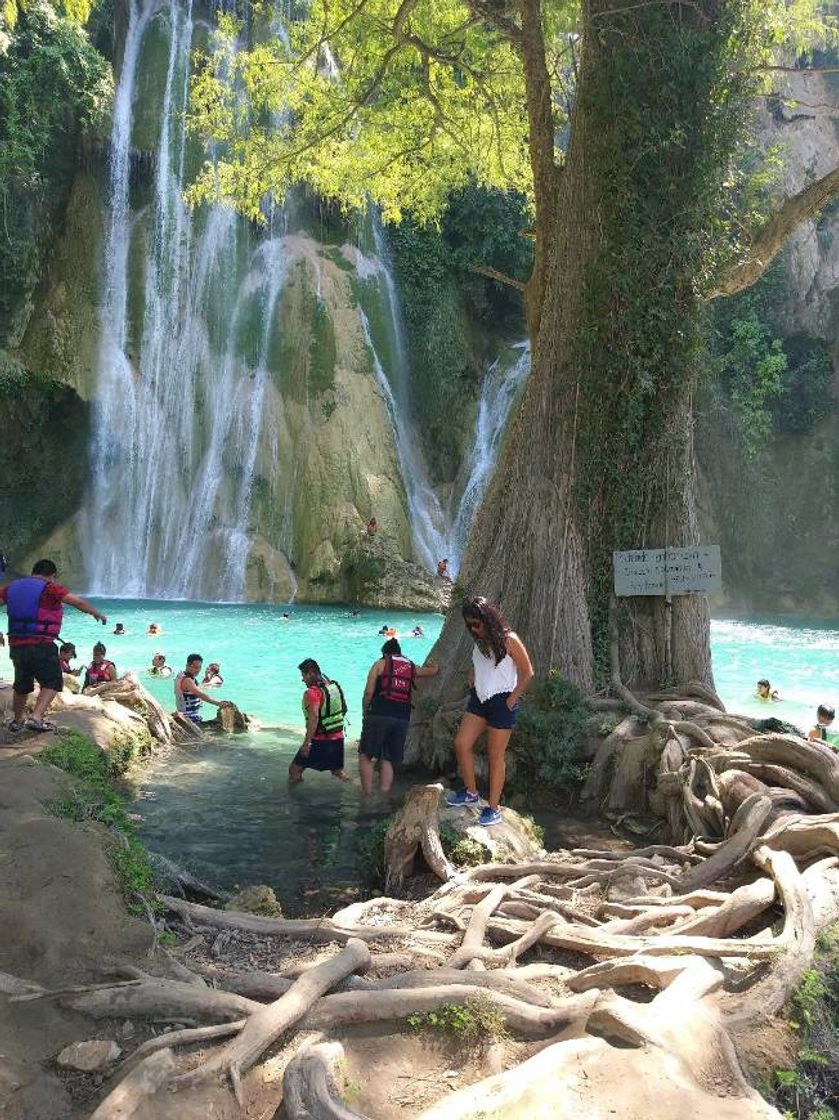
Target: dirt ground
pixel 64 923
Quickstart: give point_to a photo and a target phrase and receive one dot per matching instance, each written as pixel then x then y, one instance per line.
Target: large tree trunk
pixel 600 454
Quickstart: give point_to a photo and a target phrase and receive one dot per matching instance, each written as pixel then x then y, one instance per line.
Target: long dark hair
pixel 497 628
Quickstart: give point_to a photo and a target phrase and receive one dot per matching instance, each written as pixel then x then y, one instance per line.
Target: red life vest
pixel 98 674
pixel 396 682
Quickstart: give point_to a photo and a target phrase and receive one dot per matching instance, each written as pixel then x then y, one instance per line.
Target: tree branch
pixel 772 238
pixel 494 274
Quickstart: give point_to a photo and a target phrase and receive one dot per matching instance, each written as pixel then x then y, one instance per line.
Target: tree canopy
pixel 401 102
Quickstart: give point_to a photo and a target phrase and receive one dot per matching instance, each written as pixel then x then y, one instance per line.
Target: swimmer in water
pixel 824 718
pixel 766 692
pixel 153 630
pixel 100 670
pixel 418 632
pixel 119 630
pixel 212 676
pixel 159 668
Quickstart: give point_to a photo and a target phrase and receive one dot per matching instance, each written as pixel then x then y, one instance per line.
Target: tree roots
pixel 693 919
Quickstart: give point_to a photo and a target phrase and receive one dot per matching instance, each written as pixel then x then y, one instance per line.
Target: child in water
pixel 765 691
pixel 824 718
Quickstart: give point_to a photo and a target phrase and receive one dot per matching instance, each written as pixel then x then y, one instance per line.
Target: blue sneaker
pixel 490 816
pixel 462 797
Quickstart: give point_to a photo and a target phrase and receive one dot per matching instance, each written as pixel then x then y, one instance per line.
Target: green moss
pixel 810 1090
pixel 90 796
pixel 322 350
pixel 334 254
pixel 43 455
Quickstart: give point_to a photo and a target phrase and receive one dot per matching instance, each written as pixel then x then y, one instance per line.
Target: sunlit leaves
pixel 365 99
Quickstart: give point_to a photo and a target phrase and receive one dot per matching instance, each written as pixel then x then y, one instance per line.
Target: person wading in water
pixel 325 709
pixel 387 713
pixel 501 671
pixel 188 695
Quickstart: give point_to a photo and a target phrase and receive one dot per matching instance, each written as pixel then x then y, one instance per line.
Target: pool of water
pixel 227 813
pixel 258 649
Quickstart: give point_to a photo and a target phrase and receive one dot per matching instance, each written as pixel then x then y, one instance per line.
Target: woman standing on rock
pixel 500 673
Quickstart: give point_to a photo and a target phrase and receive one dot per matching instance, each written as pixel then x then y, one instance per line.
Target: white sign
pixel 668 571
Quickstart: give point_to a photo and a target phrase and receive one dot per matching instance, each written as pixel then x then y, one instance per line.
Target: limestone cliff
pixel 774 512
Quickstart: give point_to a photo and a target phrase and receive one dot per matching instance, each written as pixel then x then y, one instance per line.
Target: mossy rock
pixel 258 899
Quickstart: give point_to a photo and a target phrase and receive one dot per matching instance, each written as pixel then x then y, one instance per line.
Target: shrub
pixel 477 1020
pixel 548 740
pixel 811 1089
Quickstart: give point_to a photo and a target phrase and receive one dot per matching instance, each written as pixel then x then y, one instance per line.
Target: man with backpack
pixel 387 713
pixel 324 709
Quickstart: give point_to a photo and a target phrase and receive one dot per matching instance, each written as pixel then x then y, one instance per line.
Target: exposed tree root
pixel 739 842
pixel 309 1084
pixel 415 829
pixel 266 1025
pixel 134 1090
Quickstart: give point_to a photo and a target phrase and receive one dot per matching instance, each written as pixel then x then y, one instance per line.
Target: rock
pixel 375 574
pixel 89 1057
pixel 256 900
pixel 515 838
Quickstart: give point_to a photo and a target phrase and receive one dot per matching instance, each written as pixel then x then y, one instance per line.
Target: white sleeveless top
pixel 490 679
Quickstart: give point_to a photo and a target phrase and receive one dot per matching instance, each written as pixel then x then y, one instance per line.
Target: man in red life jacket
pixel 387 713
pixel 34 606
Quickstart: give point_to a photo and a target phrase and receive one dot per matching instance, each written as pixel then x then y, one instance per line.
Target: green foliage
pixel 548 739
pixel 461 850
pixel 404 118
pixel 443 299
pixel 53 86
pixel 767 384
pixel 476 1021
pixel 91 797
pixel 809 1091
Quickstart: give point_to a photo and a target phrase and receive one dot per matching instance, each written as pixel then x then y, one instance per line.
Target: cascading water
pixel 189 311
pixel 179 400
pixel 429 524
pixel 500 388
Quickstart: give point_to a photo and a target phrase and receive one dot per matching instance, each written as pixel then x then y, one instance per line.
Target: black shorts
pixel 494 710
pixel 324 754
pixel 383 737
pixel 38 662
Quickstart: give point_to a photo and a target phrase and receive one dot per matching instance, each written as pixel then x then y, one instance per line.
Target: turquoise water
pixel 258 651
pixel 226 811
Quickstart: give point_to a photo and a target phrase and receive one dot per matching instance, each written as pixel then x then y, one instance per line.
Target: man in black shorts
pixel 387 713
pixel 35 608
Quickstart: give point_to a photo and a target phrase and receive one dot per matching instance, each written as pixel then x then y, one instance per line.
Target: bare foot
pixel 342 775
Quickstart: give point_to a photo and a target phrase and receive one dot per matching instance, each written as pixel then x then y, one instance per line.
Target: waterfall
pixel 183 361
pixel 500 388
pixel 429 524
